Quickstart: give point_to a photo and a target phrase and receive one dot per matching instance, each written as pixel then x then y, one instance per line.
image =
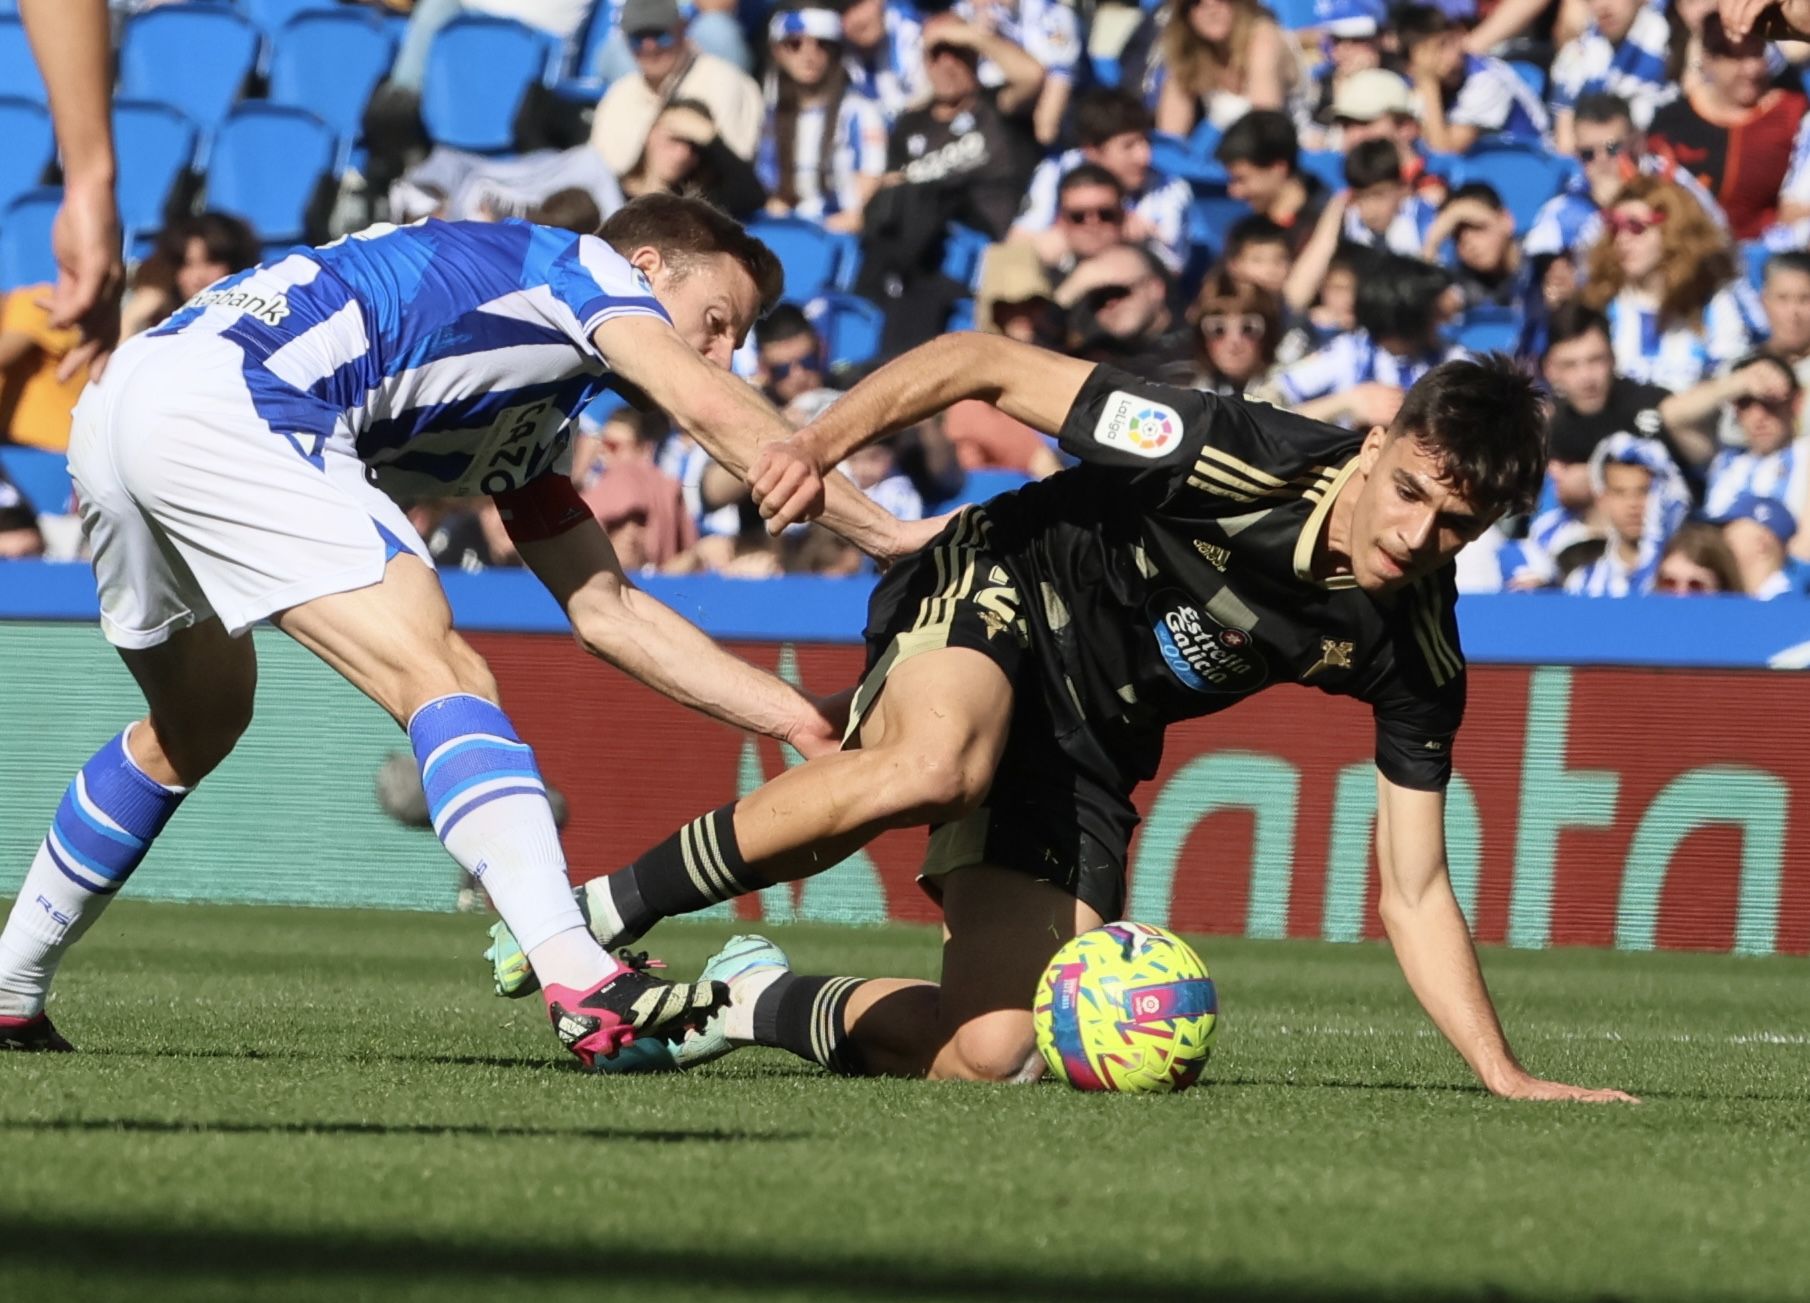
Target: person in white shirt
pixel 824 150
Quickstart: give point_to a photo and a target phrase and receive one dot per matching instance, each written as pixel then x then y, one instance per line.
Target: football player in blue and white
pixel 236 465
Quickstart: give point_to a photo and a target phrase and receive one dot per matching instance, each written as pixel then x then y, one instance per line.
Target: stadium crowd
pixel 1310 206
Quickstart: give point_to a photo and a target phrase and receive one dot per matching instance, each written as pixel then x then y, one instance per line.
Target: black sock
pixel 696 867
pixel 805 1015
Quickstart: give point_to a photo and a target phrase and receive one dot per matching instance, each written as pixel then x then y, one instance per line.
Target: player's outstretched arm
pixel 70 40
pixel 618 623
pixel 732 420
pixel 1433 945
pixel 1032 384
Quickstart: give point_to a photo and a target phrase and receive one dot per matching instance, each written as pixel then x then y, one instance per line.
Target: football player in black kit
pixel 1022 670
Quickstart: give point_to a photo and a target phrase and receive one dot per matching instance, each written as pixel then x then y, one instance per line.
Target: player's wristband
pixel 542 509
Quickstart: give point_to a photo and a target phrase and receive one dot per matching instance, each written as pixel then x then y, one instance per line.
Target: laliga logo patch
pixel 1137 426
pixel 1201 652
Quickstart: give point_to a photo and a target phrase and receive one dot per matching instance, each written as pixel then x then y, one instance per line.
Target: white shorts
pixel 193 506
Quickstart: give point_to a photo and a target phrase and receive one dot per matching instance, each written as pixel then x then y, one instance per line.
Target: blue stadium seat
pixel 1531 73
pixel 963 247
pixel 1525 178
pixel 1756 255
pixel 810 255
pixel 42 476
pixel 329 63
pixel 18 70
pixel 1211 216
pixel 1204 139
pixel 25 238
pixel 478 72
pixel 272 16
pixel 1327 164
pixel 961 316
pixel 1489 329
pixel 194 57
pixel 1107 71
pixel 267 167
pixel 30 146
pixel 156 147
pixel 981 486
pixel 849 325
pixel 582 79
pixel 1296 14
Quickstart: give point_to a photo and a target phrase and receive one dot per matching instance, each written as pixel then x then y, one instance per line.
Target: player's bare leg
pixel 199 686
pixel 1001 929
pixel 395 642
pixel 924 753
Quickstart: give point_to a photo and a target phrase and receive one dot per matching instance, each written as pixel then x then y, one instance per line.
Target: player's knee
pixel 940 786
pixel 1000 1047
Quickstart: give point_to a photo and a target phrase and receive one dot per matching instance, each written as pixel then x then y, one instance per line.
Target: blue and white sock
pixel 489 808
pixel 106 823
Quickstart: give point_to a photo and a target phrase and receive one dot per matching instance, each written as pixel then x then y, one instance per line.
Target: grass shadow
pixel 165 1126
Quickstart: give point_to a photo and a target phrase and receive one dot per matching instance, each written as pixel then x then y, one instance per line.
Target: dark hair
pixel 1262 138
pixel 1398 296
pixel 787 321
pixel 1083 174
pixel 1760 357
pixel 1573 320
pixel 1482 191
pixel 1485 419
pixel 571 209
pixel 228 241
pixel 1417 23
pixel 1255 229
pixel 1792 260
pixel 1372 163
pixel 1221 295
pixel 1601 106
pixel 650 426
pixel 788 97
pixel 1701 543
pixel 1102 114
pixel 685 228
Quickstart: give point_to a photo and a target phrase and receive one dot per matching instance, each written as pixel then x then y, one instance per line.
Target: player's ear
pixel 1372 449
pixel 647 261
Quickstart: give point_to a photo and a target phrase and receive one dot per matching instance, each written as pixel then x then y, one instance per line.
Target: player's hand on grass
pixel 90 276
pixel 1538 1089
pixel 787 483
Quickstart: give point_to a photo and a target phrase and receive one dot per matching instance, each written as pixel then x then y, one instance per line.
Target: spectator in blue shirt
pixel 1624 51
pixel 1384 211
pixel 1758 531
pixel 1464 97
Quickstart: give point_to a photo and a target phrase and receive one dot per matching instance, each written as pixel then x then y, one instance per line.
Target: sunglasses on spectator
pixel 1770 404
pixel 1590 153
pixel 780 370
pixel 661 38
pixel 793 44
pixel 1088 216
pixel 1218 325
pixel 1623 224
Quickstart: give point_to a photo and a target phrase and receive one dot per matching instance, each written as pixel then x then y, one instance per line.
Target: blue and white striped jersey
pixel 1406 232
pixel 1783 476
pixel 1047 30
pixel 892 75
pixel 1634 68
pixel 1352 359
pixel 449 356
pixel 1496 101
pixel 857 149
pixel 1678 356
pixel 1162 202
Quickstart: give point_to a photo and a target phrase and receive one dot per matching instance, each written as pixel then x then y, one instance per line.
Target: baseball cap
pixel 817 22
pixel 1353 20
pixel 651 15
pixel 1769 512
pixel 1369 94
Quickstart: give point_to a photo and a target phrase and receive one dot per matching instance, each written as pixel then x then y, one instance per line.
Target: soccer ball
pixel 1126 1007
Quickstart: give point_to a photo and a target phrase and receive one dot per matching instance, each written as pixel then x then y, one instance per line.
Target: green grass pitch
pixel 314 1105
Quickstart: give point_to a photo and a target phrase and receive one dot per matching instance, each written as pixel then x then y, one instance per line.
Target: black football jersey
pixel 1170 576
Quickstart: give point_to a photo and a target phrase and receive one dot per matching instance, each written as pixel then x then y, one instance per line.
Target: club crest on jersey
pixel 1202 653
pixel 1138 426
pixel 1335 654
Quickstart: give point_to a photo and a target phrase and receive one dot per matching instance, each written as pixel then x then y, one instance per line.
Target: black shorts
pixel 1057 810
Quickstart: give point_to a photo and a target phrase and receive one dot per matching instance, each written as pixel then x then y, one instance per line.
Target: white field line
pixel 1669 1038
